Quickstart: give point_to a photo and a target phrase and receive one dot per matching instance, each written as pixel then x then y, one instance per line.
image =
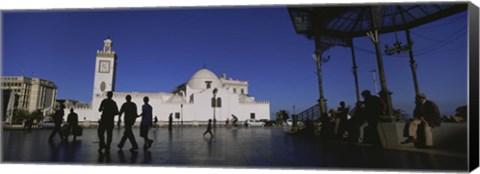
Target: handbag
pixel 77 131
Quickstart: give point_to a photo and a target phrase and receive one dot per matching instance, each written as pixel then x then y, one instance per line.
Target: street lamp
pixel 214 105
pixel 399 48
pixel 293 109
pixel 374 75
pixel 181 113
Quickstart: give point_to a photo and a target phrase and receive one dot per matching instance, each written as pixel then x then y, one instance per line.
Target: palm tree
pixel 282 116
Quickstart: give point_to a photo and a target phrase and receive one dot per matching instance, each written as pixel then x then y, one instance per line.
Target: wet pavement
pixel 266 147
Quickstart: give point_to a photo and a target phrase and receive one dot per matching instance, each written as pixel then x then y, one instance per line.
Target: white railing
pixel 254 102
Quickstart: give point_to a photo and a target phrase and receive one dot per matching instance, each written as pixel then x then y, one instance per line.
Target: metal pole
pixel 374 77
pixel 321 101
pixel 181 113
pixel 293 109
pixel 214 105
pixel 318 59
pixel 355 75
pixel 413 65
pixel 384 93
pixel 214 122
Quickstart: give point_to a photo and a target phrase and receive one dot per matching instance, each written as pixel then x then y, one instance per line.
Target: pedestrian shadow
pixel 209 145
pixel 235 134
pixel 72 150
pixel 147 158
pixel 133 157
pixel 54 151
pixel 104 157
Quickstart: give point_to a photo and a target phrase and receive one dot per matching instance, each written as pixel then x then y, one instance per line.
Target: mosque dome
pixel 204 78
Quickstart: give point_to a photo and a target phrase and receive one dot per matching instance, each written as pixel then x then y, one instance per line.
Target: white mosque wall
pixel 199 111
pixel 195 111
pixel 84 114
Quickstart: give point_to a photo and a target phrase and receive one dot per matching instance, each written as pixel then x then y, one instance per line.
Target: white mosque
pixel 191 103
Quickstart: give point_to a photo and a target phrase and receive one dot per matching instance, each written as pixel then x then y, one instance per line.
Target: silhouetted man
pixel 342 112
pixel 155 121
pixel 426 112
pixel 130 110
pixel 357 123
pixel 146 123
pixel 58 119
pixel 374 107
pixel 170 121
pixel 72 121
pixel 109 109
pixel 209 128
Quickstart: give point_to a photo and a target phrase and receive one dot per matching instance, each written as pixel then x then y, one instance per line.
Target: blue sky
pixel 160 48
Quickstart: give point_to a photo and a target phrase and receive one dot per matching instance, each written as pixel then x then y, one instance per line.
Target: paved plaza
pixel 262 147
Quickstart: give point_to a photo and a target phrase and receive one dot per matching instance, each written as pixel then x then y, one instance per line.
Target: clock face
pixel 103 86
pixel 104 66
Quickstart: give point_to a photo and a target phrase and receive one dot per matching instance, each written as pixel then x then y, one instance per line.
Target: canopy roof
pixel 354 21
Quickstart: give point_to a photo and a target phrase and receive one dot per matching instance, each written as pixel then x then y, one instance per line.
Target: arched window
pixel 219 102
pixel 191 98
pixel 242 91
pixel 214 102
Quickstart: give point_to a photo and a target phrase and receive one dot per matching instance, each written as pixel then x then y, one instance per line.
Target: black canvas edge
pixel 473 90
pixel 473 22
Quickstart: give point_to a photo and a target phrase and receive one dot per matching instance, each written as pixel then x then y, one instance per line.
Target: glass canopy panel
pixel 355 21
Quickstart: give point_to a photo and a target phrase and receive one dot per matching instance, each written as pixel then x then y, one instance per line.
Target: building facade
pixel 204 96
pixel 33 93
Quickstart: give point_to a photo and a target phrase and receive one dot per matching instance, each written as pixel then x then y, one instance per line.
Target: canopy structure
pixel 355 21
pixel 332 26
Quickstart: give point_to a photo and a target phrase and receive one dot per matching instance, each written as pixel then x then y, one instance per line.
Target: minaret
pixel 105 71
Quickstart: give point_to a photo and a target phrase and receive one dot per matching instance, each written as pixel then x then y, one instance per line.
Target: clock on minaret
pixel 104 66
pixel 105 70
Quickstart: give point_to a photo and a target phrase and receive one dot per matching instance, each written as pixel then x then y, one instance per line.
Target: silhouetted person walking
pixel 130 110
pixel 146 123
pixel 155 121
pixel 72 121
pixel 343 117
pixel 209 128
pixel 109 109
pixel 374 107
pixel 357 123
pixel 170 121
pixel 58 119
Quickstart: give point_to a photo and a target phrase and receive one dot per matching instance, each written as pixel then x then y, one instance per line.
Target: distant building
pixel 31 93
pixel 70 103
pixel 191 102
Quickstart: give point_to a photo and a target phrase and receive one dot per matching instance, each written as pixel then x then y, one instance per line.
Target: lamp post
pixel 214 105
pixel 181 113
pixel 374 75
pixel 413 65
pixel 354 70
